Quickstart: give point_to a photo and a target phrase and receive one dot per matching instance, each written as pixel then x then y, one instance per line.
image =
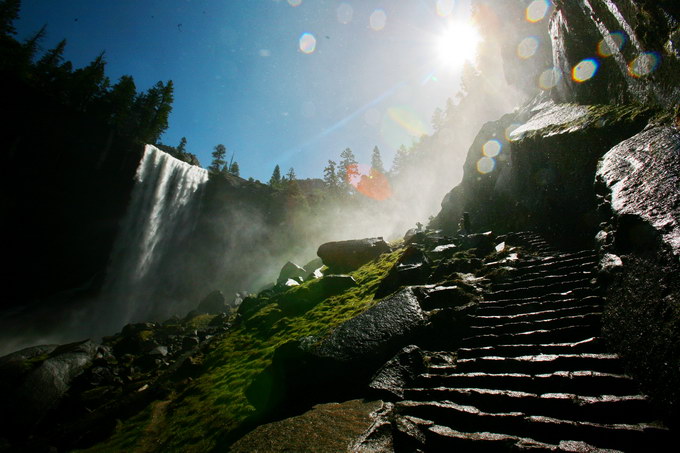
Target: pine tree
pixel 218 158
pixel 9 13
pixel 330 177
pixel 290 176
pixel 275 180
pixel 182 147
pixel 347 169
pixel 376 162
pixel 234 169
pixel 121 102
pixel 399 162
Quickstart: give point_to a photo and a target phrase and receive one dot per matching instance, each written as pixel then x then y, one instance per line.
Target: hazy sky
pixel 288 82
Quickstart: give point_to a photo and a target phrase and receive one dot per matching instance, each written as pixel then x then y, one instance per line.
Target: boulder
pixel 291 271
pixel 38 391
pixel 325 427
pixel 346 256
pixel 336 284
pixel 484 243
pixel 399 373
pixel 213 303
pixel 339 366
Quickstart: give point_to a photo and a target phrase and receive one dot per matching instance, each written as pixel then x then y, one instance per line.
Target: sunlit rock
pixel 345 256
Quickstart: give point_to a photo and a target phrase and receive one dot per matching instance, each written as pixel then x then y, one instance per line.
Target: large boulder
pixel 48 375
pixel 341 365
pixel 346 256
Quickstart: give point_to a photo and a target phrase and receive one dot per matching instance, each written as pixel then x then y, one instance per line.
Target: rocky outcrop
pixel 539 153
pixel 291 271
pixel 637 181
pixel 345 256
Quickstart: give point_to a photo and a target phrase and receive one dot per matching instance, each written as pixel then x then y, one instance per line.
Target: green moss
pixel 214 403
pixel 200 321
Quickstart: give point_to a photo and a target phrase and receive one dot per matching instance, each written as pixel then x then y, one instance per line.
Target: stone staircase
pixel 532 374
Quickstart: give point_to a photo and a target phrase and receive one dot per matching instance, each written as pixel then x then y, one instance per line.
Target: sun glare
pixel 458 44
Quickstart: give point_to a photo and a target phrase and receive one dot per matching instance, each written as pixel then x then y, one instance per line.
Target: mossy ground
pixel 202 414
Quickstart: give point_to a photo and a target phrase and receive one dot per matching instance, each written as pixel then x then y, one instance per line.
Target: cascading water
pixel 145 264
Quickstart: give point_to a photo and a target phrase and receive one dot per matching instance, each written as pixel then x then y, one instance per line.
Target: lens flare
pixel 408 120
pixel 527 47
pixel 617 41
pixel 307 43
pixel 486 165
pixel 537 10
pixel 492 148
pixel 509 130
pixel 644 64
pixel 295 3
pixel 585 70
pixel 345 13
pixel 369 182
pixel 549 79
pixel 378 19
pixel 458 44
pixel 445 7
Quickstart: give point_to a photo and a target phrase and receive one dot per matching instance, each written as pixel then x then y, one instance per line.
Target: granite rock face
pixel 638 182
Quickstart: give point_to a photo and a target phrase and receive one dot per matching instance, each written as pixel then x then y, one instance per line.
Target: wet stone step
pixel 573 295
pixel 528 274
pixel 583 382
pixel 443 438
pixel 599 409
pixel 532 271
pixel 542 280
pixel 519 307
pixel 526 326
pixel 592 345
pixel 540 290
pixel 628 437
pixel 575 257
pixel 557 335
pixel 490 320
pixel 544 363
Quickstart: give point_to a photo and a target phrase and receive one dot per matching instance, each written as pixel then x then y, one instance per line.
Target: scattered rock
pixel 346 256
pixel 336 284
pixel 213 303
pixel 413 268
pixel 291 271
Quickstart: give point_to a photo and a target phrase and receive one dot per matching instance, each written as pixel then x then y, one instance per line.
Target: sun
pixel 458 44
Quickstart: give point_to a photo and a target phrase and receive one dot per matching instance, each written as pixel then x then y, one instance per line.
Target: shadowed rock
pixel 346 256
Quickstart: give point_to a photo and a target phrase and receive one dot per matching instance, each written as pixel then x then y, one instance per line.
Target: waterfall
pixel 146 263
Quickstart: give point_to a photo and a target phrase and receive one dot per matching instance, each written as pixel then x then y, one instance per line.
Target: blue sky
pixel 241 78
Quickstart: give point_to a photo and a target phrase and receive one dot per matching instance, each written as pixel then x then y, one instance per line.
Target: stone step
pixel 540 364
pixel 571 406
pixel 591 345
pixel 583 382
pixel 628 437
pixel 556 335
pixel 573 257
pixel 443 438
pixel 543 280
pixel 526 326
pixel 568 266
pixel 551 301
pixel 539 290
pixel 571 310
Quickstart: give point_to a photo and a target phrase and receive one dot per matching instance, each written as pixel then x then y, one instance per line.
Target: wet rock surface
pixel 345 256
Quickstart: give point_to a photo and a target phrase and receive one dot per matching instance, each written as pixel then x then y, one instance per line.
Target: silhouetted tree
pixel 9 12
pixel 399 162
pixel 347 169
pixel 330 177
pixel 275 180
pixel 182 147
pixel 234 169
pixel 218 158
pixel 376 162
pixel 290 176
